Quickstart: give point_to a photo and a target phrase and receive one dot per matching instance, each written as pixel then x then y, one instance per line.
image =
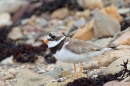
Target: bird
pixel 70 50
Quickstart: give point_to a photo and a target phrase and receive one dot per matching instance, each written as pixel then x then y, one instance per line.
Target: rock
pixel 54 73
pixel 126 79
pixel 108 57
pixel 113 12
pixel 26 77
pixel 86 32
pixel 104 42
pixel 104 25
pixel 64 74
pixel 41 22
pixel 15 34
pixel 60 13
pixel 115 66
pixel 91 65
pixel 85 14
pixel 121 38
pixel 124 10
pixel 115 83
pixel 9 76
pixel 7 61
pixel 11 6
pixel 92 4
pixel 2 83
pixel 119 3
pixel 5 19
pixel 80 23
pixel 124 39
pixel 12 71
pixel 29 28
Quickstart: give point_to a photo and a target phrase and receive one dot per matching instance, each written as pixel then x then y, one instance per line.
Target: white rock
pixel 5 19
pixel 7 61
pixel 15 34
pixel 116 67
pixel 124 10
pixel 10 5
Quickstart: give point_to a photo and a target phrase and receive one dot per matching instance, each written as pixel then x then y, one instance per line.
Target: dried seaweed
pixel 101 79
pixel 21 52
pixel 125 23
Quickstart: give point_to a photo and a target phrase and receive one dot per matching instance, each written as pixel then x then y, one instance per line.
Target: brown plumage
pixel 79 46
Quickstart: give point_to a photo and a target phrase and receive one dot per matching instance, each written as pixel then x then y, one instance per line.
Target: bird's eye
pixel 53 37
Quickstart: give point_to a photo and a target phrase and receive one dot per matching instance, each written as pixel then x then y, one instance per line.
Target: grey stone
pixel 27 77
pixel 104 25
pixel 80 22
pixel 54 73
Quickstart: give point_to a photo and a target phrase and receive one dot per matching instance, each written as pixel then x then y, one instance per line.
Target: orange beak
pixel 46 41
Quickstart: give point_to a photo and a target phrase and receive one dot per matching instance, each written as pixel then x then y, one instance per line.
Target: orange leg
pixel 81 68
pixel 74 71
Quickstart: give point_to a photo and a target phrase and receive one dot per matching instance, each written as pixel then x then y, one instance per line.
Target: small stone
pixel 92 4
pixel 7 61
pixel 85 14
pixel 15 34
pixel 80 22
pixel 9 7
pixel 124 39
pixel 41 71
pixel 91 65
pixel 12 71
pixel 64 74
pixel 60 13
pixel 2 83
pixel 5 19
pixel 41 22
pixel 124 10
pixel 10 76
pixel 54 73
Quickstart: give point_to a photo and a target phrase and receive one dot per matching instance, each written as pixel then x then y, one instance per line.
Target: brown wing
pixel 79 46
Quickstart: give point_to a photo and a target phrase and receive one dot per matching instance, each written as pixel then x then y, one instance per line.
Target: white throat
pixel 54 43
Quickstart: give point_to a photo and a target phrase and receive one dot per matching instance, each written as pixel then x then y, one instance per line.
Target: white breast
pixel 69 57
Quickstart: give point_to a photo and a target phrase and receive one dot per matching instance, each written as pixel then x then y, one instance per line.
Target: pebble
pixel 5 19
pixel 15 34
pixel 80 22
pixel 12 71
pixel 41 22
pixel 124 10
pixel 2 83
pixel 9 76
pixel 60 13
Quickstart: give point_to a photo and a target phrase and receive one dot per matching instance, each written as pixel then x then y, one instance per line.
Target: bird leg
pixel 74 71
pixel 81 68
